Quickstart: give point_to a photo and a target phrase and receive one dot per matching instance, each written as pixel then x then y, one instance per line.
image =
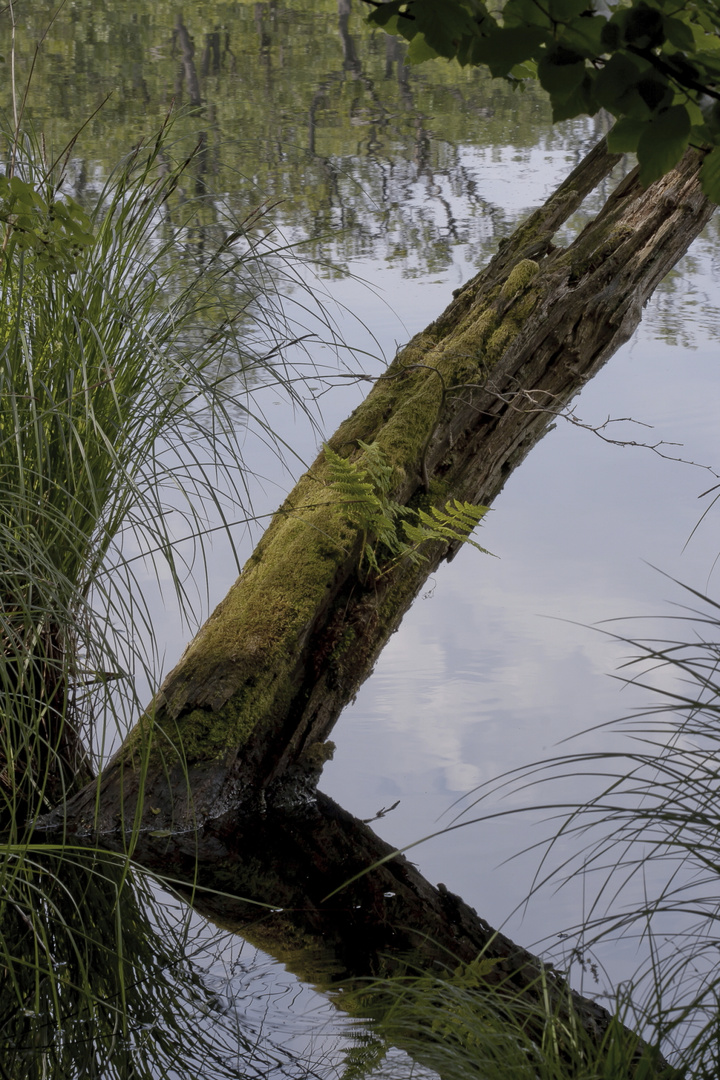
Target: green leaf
pixel 563 11
pixel 527 70
pixel 644 27
pixel 585 35
pixel 625 135
pixel 663 143
pixel 612 82
pixel 561 72
pixel 580 102
pixel 611 36
pixel 442 25
pixel 654 89
pixel 695 113
pixel 504 48
pixel 419 50
pixel 21 196
pixel 679 34
pixel 387 15
pixel 710 175
pixel 524 13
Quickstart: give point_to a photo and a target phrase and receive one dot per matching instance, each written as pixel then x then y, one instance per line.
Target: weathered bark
pixel 243 715
pixel 219 778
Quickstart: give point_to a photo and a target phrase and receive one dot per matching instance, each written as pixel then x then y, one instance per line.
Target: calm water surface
pixel 399 183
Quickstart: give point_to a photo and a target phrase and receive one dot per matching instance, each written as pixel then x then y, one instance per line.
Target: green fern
pixel 365 489
pixel 392 532
pixel 453 523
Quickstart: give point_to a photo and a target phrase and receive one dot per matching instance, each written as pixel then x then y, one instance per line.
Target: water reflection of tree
pixel 263 67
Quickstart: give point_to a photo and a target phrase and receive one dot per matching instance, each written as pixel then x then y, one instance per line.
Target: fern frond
pixel 354 484
pixel 365 490
pixel 378 467
pixel 451 524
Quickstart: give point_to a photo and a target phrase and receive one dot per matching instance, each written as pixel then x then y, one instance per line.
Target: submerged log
pixel 242 718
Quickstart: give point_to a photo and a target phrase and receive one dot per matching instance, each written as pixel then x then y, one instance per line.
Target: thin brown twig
pixel 536 406
pixel 596 429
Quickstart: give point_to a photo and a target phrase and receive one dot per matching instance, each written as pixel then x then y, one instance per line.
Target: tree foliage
pixel 654 66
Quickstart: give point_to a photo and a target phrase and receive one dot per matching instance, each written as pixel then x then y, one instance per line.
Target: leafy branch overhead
pixel 654 66
pixel 365 488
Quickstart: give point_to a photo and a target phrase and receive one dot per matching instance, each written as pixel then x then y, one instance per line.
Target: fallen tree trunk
pixel 242 718
pixel 218 780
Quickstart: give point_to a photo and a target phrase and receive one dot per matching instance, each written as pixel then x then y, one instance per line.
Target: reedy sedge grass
pixel 463 1028
pixel 646 843
pixel 101 980
pixel 130 348
pixel 124 374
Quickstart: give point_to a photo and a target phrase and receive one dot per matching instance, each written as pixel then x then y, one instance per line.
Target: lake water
pixel 399 184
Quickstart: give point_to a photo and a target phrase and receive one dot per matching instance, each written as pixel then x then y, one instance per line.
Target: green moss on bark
pixel 242 670
pixel 519 278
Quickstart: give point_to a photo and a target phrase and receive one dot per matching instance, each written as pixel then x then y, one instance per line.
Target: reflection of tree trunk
pixel 265 38
pixel 351 61
pixel 395 51
pixel 388 921
pixel 264 681
pixel 211 54
pixel 188 54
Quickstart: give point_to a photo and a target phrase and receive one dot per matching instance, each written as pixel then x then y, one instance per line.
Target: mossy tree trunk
pixel 223 767
pixel 242 718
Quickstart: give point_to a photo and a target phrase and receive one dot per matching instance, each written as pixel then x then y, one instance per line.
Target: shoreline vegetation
pixel 127 368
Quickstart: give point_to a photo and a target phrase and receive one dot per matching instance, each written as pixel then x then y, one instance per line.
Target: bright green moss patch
pixel 207 735
pixel 501 339
pixel 405 435
pixel 237 673
pixel 519 278
pixel 401 380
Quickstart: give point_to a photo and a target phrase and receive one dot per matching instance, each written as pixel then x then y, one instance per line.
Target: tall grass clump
pixel 646 843
pixel 125 366
pixel 134 331
pixel 462 1027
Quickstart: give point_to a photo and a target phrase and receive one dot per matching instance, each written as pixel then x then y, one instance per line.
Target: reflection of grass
pixel 128 350
pixel 96 982
pixel 100 980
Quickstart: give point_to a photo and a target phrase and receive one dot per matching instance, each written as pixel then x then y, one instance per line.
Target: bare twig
pixel 381 813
